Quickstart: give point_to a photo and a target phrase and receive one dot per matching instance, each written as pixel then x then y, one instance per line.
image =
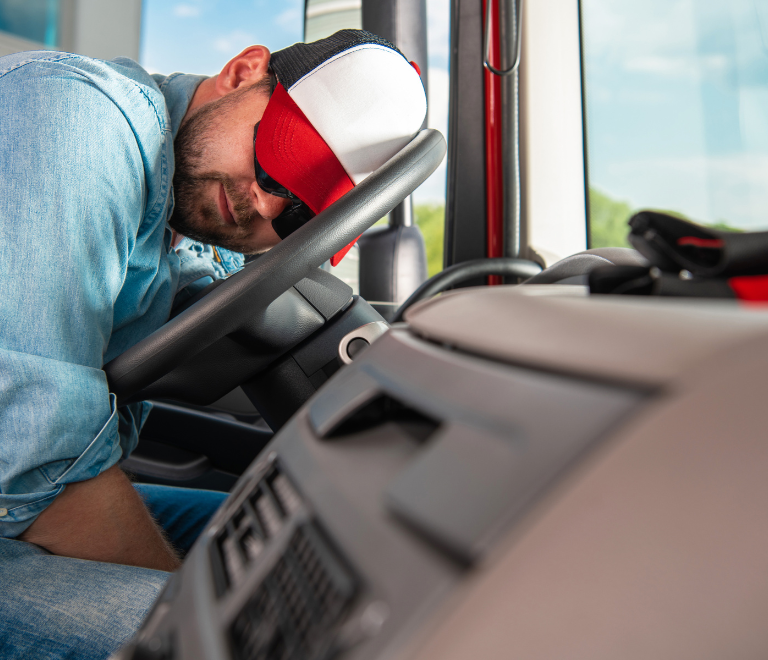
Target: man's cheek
pixel 208 214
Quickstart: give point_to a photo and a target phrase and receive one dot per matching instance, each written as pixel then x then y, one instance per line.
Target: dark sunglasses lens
pixel 291 219
pixel 294 215
pixel 266 182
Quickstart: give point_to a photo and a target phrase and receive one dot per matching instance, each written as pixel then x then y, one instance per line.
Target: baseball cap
pixel 341 107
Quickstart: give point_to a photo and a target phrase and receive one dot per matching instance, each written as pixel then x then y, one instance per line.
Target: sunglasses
pixel 296 214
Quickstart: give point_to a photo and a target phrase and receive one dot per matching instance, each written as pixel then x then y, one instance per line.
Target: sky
pixel 677 105
pixel 200 36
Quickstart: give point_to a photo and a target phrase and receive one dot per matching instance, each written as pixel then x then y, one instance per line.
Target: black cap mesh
pixel 293 63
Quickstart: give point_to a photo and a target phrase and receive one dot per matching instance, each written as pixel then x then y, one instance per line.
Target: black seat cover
pixel 393 264
pixel 582 263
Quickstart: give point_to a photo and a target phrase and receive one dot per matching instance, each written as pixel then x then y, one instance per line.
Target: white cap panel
pixel 366 103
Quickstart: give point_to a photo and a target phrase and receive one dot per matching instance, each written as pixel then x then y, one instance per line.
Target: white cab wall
pixel 552 129
pixel 104 29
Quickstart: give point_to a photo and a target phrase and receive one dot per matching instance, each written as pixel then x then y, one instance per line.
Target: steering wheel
pixel 231 305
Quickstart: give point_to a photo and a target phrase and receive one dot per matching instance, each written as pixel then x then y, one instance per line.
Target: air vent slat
pixel 286 494
pixel 233 560
pixel 269 514
pixel 252 546
pixel 256 529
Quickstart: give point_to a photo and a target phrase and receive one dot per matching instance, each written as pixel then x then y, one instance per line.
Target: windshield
pixel 676 111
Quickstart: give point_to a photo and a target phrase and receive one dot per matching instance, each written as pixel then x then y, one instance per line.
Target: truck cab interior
pixel 495 462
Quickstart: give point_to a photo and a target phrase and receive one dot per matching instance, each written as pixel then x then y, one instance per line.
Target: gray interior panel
pixel 641 341
pixel 448 476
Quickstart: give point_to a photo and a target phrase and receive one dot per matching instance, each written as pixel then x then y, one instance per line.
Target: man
pixel 90 266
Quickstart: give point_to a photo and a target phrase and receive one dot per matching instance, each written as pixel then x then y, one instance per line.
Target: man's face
pixel 217 199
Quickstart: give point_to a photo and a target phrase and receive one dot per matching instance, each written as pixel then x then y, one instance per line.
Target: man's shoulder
pixel 21 59
pixel 97 125
pixel 36 62
pixel 122 80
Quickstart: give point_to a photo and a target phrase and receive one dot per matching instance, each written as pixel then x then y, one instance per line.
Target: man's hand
pixel 102 519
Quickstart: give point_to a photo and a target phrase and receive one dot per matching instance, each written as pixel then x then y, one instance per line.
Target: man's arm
pixel 102 519
pixel 83 201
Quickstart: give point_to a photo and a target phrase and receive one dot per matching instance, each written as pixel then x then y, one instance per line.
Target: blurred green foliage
pixel 608 220
pixel 609 217
pixel 431 220
pixel 724 226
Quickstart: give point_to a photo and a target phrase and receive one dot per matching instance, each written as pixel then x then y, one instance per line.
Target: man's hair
pixel 265 84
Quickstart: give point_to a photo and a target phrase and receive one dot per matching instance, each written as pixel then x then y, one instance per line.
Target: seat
pixel 575 268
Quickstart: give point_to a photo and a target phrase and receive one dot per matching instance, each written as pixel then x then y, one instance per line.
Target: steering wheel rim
pixel 228 307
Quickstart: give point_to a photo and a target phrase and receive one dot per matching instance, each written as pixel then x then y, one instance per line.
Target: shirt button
pixel 3 512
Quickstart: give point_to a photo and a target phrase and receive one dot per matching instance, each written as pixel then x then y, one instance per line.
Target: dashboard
pixel 512 472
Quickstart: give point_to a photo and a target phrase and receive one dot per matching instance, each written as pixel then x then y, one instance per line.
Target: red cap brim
pixel 292 152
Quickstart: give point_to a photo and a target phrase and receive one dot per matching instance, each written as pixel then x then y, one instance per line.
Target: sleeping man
pixel 122 192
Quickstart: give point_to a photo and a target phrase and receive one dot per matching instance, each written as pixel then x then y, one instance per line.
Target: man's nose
pixel 269 206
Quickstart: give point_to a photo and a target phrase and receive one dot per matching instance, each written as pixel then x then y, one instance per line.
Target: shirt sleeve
pixel 73 199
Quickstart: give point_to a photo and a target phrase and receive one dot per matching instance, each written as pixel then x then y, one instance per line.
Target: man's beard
pixel 194 215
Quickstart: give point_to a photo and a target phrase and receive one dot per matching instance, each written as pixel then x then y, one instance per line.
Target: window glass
pixel 36 20
pixel 429 198
pixel 200 36
pixel 677 112
pixel 324 17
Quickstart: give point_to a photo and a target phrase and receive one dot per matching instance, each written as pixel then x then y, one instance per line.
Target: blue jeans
pixel 57 607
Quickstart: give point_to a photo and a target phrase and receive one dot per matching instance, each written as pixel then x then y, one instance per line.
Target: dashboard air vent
pixel 295 610
pixel 258 519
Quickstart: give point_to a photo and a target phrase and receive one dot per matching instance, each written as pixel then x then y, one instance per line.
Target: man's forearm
pixel 102 519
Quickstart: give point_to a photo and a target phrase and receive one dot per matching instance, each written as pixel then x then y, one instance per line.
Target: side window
pixel 324 17
pixel 429 198
pixel 676 112
pixel 194 36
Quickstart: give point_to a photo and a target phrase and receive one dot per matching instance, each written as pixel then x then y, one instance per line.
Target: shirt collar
pixel 178 89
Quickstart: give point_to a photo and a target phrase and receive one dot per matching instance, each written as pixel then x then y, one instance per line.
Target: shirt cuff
pixel 19 511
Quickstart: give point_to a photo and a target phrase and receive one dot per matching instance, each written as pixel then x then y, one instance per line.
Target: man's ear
pixel 244 69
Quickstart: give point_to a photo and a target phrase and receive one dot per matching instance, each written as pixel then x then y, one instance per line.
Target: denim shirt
pixel 86 267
